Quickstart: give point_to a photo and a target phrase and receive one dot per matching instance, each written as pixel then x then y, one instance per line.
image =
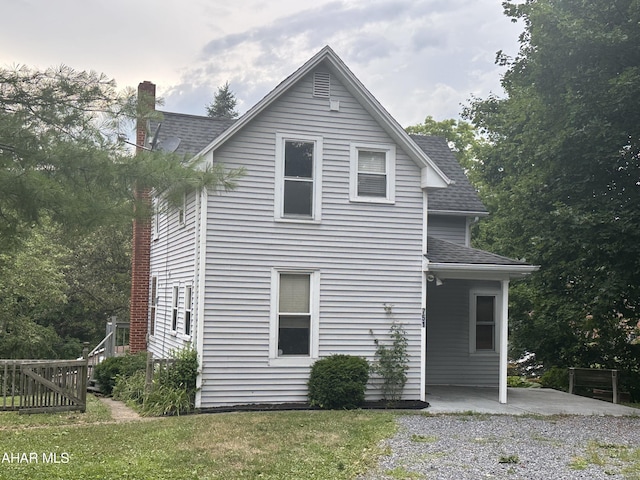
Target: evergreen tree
pixel 224 104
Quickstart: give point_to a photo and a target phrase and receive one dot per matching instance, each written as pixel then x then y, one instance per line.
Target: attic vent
pixel 321 84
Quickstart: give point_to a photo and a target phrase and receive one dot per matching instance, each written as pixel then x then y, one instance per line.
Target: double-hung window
pixel 188 296
pixel 154 305
pixel 298 178
pixel 174 308
pixel 294 323
pixel 372 173
pixel 484 322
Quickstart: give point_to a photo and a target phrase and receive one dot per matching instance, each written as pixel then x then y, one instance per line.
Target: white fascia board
pixel 459 213
pixel 469 270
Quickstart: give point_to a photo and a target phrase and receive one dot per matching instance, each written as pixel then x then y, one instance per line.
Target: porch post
pixel 504 332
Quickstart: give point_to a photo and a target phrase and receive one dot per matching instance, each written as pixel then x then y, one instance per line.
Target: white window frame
pixel 153 304
pixel 175 308
pixel 314 309
pixel 390 156
pixel 497 317
pixel 156 219
pixel 182 211
pixel 188 311
pixel 316 214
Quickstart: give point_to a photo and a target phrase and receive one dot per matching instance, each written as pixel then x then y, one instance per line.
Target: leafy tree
pixel 67 202
pixel 60 156
pixel 224 103
pixel 563 179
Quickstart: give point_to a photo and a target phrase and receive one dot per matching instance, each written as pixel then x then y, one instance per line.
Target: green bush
pixel 391 363
pixel 130 389
pixel 172 390
pixel 338 382
pixel 557 378
pixel 105 372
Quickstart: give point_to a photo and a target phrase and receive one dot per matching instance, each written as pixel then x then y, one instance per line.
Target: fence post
pixel 110 344
pixel 572 373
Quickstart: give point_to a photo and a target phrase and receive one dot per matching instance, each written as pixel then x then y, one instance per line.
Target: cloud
pixel 400 49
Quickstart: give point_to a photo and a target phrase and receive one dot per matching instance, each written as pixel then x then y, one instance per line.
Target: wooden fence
pixel 37 386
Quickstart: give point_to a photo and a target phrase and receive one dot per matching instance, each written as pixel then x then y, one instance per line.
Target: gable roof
pixel 460 196
pixel 433 176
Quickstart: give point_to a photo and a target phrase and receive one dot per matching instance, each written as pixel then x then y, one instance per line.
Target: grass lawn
pixel 270 445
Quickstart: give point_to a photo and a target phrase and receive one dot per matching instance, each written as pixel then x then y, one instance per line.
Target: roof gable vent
pixel 321 84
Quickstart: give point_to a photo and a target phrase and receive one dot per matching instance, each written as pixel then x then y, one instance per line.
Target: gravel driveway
pixel 501 446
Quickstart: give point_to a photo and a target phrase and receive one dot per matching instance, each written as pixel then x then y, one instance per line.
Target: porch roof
pixel 451 258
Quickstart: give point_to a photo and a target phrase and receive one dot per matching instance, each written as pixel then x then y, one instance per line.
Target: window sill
pixel 182 336
pixel 487 353
pixel 291 362
pixel 309 221
pixel 381 201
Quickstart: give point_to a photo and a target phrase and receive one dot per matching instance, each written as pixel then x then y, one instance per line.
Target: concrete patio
pixel 520 401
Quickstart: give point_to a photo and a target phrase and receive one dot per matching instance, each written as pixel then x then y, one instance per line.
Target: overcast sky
pixel 417 57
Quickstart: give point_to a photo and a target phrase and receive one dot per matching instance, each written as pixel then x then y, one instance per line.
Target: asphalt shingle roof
pixel 442 251
pixel 457 197
pixel 195 132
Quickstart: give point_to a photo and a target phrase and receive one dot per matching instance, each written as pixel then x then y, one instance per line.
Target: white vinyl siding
pixel 173 264
pixel 369 254
pixel 372 176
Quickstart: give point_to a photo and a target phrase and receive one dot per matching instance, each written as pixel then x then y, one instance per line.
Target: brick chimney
pixel 141 245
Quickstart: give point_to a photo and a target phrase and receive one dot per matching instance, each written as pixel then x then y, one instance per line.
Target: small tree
pixel 391 363
pixel 224 104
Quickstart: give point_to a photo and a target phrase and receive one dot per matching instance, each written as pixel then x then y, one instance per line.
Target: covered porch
pixel 465 339
pixel 522 401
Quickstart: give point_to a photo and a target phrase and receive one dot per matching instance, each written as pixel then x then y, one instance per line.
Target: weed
pixel 424 438
pixel 402 473
pixel 512 459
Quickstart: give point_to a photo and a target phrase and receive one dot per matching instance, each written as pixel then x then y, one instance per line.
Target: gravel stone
pixel 478 446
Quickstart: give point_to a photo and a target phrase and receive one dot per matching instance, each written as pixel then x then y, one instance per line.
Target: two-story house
pixel 341 225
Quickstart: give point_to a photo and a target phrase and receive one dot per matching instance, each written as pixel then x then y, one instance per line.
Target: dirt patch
pixel 120 412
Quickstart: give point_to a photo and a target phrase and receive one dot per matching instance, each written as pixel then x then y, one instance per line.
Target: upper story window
pixel 372 173
pixel 298 178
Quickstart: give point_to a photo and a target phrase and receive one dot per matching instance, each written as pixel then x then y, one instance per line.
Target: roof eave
pixel 460 213
pixel 480 270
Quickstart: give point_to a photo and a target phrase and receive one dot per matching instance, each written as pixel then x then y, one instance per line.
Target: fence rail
pixel 36 386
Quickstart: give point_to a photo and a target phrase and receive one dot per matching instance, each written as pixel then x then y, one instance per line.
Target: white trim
pixel 153 305
pixel 188 307
pixel 175 308
pixel 182 212
pixel 314 328
pixel 504 334
pixel 497 320
pixel 316 214
pixel 201 275
pixel 423 302
pixel 390 163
